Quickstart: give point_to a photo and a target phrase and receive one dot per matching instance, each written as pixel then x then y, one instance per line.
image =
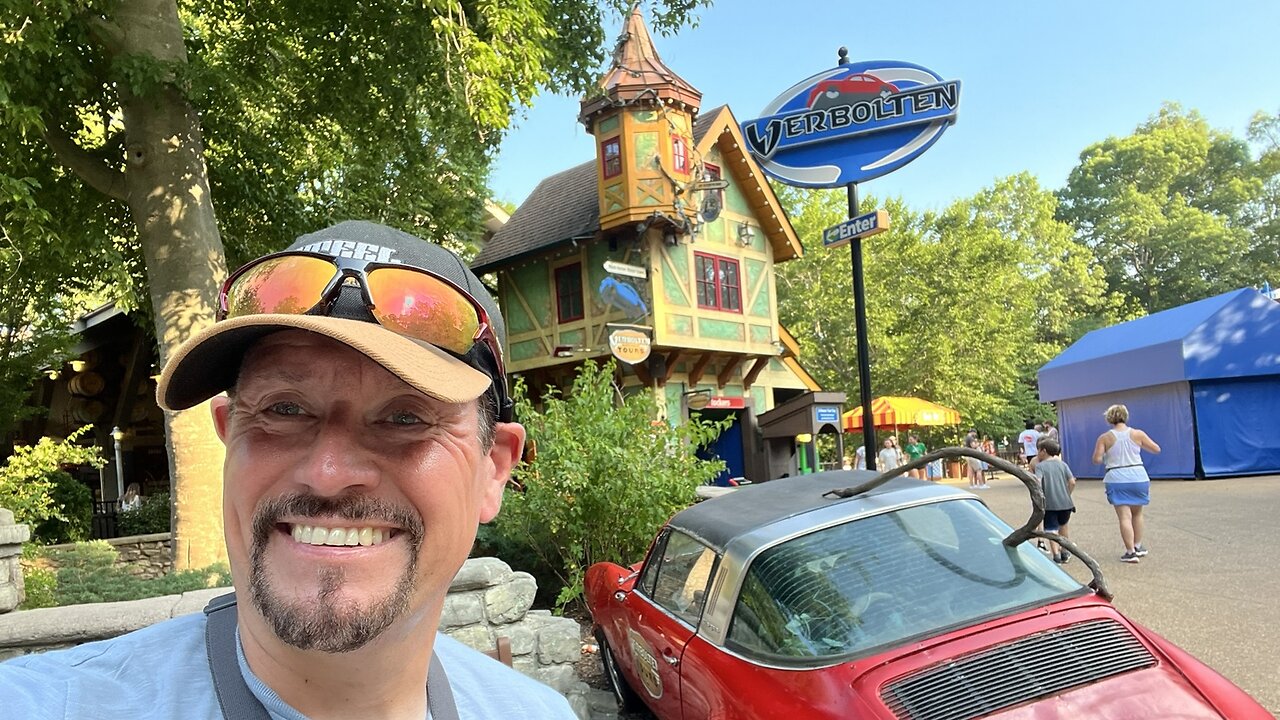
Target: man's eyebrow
pixel 277 372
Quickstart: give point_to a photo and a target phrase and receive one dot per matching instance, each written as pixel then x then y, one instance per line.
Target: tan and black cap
pixel 208 362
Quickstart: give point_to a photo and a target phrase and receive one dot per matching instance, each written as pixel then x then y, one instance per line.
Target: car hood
pixel 1073 659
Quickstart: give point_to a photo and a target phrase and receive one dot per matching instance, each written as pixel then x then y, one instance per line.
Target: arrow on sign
pixel 862 226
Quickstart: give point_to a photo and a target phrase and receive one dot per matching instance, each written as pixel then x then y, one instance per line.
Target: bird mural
pixel 623 296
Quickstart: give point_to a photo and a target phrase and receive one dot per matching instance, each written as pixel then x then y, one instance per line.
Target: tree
pixel 1171 211
pixel 963 306
pixel 125 118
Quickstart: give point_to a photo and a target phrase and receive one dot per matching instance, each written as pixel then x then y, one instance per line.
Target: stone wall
pixel 147 556
pixel 11 538
pixel 486 601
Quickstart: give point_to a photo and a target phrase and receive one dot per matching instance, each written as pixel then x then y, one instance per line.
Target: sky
pixel 1041 80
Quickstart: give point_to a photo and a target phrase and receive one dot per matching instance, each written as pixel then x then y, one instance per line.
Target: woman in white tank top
pixel 1128 487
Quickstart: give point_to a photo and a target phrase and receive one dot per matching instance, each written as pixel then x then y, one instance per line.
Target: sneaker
pixel 1129 557
pixel 1042 547
pixel 1063 558
pixel 1139 551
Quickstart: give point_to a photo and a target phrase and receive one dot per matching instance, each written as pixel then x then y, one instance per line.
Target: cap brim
pixel 208 362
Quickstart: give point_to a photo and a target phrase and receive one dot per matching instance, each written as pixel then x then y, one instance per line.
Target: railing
pixel 105 515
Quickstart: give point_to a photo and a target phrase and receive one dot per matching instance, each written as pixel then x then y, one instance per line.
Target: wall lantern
pixel 78 365
pixel 746 234
pixel 696 399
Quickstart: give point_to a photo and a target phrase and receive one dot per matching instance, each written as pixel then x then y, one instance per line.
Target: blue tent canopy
pixel 1233 335
pixel 1197 378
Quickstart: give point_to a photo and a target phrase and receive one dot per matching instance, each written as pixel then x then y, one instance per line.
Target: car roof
pixel 720 520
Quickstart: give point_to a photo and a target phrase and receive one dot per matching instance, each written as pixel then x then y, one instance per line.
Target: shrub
pixel 40 581
pixel 88 573
pixel 607 475
pixel 152 516
pixel 27 478
pixel 75 500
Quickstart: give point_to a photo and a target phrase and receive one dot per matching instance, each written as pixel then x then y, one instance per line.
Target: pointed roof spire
pixel 638 76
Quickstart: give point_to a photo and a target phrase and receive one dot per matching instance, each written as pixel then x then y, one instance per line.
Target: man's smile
pixel 344 535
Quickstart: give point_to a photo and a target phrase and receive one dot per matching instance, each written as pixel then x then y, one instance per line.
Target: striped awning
pixel 893 411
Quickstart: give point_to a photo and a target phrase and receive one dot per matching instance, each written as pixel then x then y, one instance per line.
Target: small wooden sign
pixel 629 346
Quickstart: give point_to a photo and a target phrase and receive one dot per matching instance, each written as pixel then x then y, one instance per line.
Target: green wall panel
pixel 674 287
pixel 608 124
pixel 527 349
pixel 645 115
pixel 533 285
pixel 680 325
pixel 574 337
pixel 646 148
pixel 776 365
pixel 761 334
pixel 715 231
pixel 721 329
pixel 755 270
pixel 735 201
pixel 757 399
pixel 613 191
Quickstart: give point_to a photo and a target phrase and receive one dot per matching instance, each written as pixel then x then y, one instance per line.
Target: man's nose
pixel 337 461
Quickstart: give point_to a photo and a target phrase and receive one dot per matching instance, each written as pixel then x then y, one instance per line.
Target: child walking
pixel 1058 483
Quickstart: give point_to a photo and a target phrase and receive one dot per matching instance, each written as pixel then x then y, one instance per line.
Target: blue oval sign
pixel 852 123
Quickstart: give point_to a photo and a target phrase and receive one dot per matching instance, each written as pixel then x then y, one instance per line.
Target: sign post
pixel 846 125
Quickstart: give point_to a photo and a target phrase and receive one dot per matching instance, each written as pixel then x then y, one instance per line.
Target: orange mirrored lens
pixel 423 307
pixel 290 284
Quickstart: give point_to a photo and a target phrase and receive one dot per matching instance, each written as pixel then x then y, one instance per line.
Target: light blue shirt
pixel 162 672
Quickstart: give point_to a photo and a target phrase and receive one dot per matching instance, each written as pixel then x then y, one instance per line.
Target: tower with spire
pixel 642 119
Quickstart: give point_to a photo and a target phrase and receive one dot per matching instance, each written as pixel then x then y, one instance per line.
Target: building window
pixel 569 293
pixel 719 285
pixel 611 156
pixel 680 154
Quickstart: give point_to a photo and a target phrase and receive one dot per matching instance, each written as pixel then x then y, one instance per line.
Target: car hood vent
pixel 1007 675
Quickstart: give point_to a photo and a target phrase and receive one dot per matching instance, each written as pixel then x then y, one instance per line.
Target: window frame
pixel 573 269
pixel 718 286
pixel 614 143
pixel 680 154
pixel 651 576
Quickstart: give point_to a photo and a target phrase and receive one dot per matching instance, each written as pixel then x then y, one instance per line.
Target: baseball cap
pixel 208 362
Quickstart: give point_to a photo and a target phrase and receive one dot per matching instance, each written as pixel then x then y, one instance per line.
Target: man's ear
pixel 220 406
pixel 508 444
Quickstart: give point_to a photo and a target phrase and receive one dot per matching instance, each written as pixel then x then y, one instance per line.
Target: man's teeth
pixel 314 535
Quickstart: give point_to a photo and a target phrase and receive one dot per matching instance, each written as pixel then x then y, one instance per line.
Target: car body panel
pixel 698 676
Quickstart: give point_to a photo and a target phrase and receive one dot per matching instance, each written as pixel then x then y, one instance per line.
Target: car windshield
pixel 880 580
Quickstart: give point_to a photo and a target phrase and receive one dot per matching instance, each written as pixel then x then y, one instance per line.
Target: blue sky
pixel 1041 79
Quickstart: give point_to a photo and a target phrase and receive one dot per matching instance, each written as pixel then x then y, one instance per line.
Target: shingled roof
pixel 562 207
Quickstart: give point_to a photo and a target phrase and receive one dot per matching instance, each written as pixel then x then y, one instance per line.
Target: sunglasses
pixel 406 300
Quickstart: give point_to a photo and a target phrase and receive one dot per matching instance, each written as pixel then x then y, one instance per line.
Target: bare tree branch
pixel 96 173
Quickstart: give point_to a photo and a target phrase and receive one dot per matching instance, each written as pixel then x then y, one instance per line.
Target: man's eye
pixel 403 418
pixel 285 408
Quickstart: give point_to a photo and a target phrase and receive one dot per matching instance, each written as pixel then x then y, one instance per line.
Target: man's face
pixel 351 499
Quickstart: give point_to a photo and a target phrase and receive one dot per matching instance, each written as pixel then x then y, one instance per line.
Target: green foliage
pixel 152 516
pixel 75 500
pixel 606 476
pixel 40 582
pixel 28 477
pixel 962 306
pixel 88 573
pixel 1173 211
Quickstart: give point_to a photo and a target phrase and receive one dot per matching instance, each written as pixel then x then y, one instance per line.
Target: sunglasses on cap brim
pixel 406 300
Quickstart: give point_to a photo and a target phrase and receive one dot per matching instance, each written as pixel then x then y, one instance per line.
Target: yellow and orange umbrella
pixel 896 412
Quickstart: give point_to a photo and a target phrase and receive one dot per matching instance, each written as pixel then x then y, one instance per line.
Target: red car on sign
pixel 847 90
pixel 901 603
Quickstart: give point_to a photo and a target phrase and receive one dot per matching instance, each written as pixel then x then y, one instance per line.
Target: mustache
pixel 353 507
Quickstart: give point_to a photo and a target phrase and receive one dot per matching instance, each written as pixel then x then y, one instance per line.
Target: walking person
pixel 1126 481
pixel 1028 440
pixel 977 481
pixel 1058 482
pixel 889 457
pixel 915 450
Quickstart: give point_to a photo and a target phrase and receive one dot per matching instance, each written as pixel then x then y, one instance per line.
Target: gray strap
pixel 239 703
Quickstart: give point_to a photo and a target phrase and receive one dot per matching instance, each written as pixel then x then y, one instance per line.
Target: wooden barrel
pixel 83 410
pixel 87 384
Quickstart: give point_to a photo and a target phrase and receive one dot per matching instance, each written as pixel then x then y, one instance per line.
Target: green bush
pixel 75 500
pixel 41 582
pixel 152 516
pixel 605 478
pixel 28 477
pixel 87 573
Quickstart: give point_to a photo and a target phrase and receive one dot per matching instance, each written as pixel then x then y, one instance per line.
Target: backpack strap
pixel 239 703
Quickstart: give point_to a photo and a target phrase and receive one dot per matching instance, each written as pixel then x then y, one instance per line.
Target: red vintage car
pixel 847 90
pixel 901 602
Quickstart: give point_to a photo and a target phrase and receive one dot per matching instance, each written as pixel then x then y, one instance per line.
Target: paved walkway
pixel 1212 581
